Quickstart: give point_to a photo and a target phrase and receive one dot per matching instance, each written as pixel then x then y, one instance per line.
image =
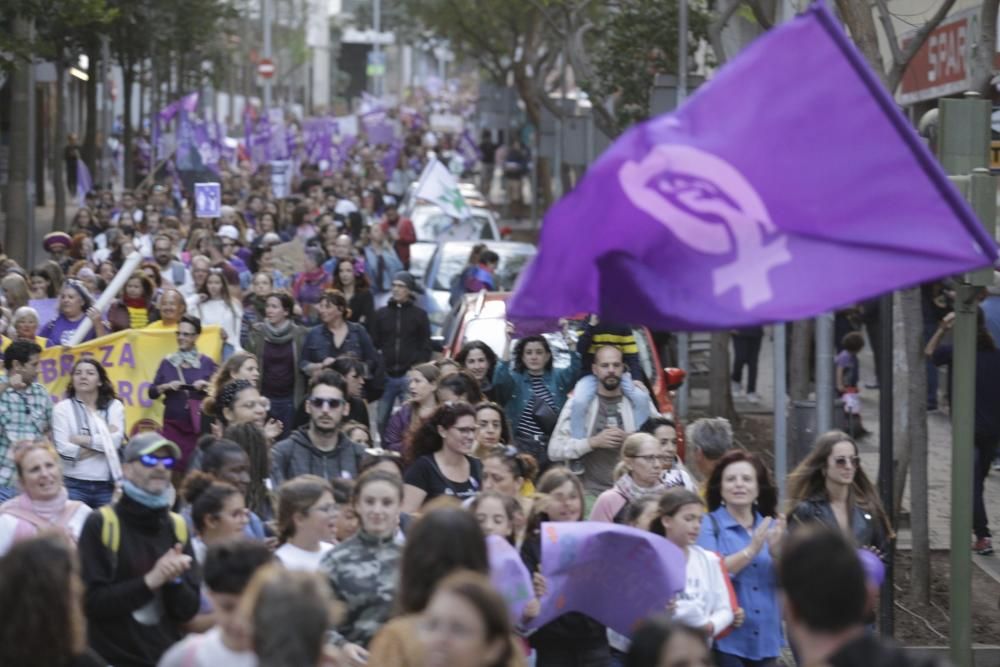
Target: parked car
pixel 449 260
pixel 483 317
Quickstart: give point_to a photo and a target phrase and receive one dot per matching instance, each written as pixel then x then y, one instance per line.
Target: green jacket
pixel 255 344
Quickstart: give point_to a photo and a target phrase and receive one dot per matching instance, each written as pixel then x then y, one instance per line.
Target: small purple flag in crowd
pixel 378 128
pixel 84 183
pixel 509 576
pixel 812 193
pixel 615 574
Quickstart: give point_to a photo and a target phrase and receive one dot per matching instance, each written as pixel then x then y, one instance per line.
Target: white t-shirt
pixel 295 558
pixel 705 598
pixel 206 650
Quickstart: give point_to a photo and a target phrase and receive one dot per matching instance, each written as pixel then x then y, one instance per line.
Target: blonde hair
pixel 630 449
pixel 25 447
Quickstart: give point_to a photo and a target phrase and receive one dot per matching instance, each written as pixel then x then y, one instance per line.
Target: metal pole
pixel 107 112
pixel 885 455
pixel 266 17
pixel 780 409
pixel 824 372
pixel 683 339
pixel 376 47
pixel 682 51
pixel 963 414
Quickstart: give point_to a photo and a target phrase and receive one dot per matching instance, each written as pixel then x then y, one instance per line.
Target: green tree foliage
pixel 637 40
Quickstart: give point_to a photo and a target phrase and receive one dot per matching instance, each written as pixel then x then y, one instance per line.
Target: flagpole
pixel 683 338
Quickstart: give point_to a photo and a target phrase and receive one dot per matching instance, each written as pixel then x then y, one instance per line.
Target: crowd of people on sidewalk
pixel 322 489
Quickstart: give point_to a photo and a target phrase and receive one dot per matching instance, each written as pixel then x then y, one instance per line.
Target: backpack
pixel 111 530
pixel 456 288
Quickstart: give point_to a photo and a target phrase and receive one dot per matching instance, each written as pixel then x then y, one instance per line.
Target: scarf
pixel 145 498
pixel 47 509
pixel 190 357
pixel 628 488
pixel 278 335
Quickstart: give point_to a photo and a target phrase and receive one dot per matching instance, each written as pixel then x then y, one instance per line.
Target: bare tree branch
pixel 895 74
pixel 763 20
pixel 890 30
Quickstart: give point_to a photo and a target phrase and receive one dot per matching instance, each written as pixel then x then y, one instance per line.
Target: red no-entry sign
pixel 266 68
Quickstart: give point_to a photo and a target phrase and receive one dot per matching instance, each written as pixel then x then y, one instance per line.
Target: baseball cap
pixel 229 232
pixel 147 443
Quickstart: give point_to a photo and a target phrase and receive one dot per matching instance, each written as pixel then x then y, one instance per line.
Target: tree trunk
pixel 986 47
pixel 720 394
pixel 860 21
pixel 56 153
pixel 800 360
pixel 20 182
pixel 89 149
pixel 128 76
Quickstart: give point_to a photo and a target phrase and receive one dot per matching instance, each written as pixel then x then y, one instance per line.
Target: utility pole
pixel 683 338
pixel 107 113
pixel 824 372
pixel 377 47
pixel 266 17
pixel 20 233
pixel 964 142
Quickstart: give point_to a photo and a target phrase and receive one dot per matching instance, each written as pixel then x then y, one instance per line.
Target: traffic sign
pixel 266 68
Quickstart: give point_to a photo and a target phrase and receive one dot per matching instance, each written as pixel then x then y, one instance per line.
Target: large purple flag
pixel 615 574
pixel 810 193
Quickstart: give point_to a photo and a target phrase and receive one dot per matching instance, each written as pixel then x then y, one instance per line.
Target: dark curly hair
pixel 767 494
pixel 491 356
pixel 427 440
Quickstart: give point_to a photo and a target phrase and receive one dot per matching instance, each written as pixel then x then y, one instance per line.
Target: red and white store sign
pixel 941 66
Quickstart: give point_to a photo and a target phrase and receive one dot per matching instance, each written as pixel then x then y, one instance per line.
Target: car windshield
pixel 420 257
pixel 454 258
pixel 429 224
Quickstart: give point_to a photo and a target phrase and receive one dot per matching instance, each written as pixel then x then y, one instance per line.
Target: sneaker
pixel 737 389
pixel 996 463
pixel 753 398
pixel 576 467
pixel 983 546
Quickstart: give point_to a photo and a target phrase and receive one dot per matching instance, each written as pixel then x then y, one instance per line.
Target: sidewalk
pixel 939 454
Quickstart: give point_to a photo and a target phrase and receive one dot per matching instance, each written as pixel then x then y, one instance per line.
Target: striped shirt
pixel 527 427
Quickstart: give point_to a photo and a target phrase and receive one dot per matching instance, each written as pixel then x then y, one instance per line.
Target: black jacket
pixel 116 593
pixel 875 652
pixel 865 525
pixel 402 333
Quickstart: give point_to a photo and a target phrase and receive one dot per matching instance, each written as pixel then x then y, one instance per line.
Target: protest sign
pixel 207 200
pixel 290 257
pixel 509 576
pixel 615 574
pixel 131 358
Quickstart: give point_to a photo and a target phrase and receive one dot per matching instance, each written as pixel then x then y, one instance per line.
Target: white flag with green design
pixel 438 185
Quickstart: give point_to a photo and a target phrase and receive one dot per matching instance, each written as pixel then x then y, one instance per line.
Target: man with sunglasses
pixel 137 563
pixel 320 447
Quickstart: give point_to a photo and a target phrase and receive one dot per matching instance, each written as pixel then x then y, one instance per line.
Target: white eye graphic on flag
pixel 710 207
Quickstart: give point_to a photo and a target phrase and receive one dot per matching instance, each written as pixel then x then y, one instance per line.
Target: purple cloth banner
pixel 509 576
pixel 615 574
pixel 391 159
pixel 378 128
pixel 815 195
pixel 187 103
pixel 84 183
pixel 468 149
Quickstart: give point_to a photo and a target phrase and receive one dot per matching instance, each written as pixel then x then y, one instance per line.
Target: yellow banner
pixel 131 359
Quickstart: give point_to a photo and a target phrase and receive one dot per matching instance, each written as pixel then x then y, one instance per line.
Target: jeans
pixel 746 352
pixel 283 409
pixel 7 492
pixel 93 493
pixel 395 387
pixel 986 448
pixel 730 660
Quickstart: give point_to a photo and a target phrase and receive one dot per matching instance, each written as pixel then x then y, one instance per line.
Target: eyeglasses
pixel 332 403
pixel 151 461
pixel 265 403
pixel 842 461
pixel 652 458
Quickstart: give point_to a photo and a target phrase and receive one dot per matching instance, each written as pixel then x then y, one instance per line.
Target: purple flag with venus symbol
pixel 788 185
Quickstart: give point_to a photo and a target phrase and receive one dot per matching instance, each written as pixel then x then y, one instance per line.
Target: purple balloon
pixel 874 567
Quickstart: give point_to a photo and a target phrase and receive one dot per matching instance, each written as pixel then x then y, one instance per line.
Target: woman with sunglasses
pixel 88 427
pixel 75 304
pixel 829 487
pixel 637 474
pixel 183 380
pixel 443 463
pixel 743 526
